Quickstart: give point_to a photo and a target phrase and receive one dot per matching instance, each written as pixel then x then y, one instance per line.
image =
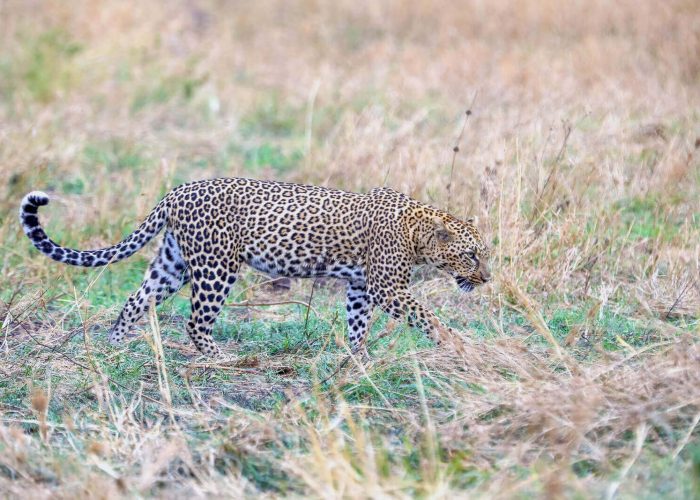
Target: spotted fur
pixel 371 240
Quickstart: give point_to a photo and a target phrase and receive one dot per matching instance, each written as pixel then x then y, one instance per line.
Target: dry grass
pixel 578 374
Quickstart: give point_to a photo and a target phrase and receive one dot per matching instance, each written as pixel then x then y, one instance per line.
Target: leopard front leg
pixel 392 257
pixel 359 311
pixel 402 305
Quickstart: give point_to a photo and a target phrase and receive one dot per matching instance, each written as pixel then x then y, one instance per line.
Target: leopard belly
pixel 306 268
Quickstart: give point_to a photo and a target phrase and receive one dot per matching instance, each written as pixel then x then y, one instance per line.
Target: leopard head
pixel 457 248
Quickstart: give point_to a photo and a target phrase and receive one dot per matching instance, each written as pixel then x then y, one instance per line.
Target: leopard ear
pixel 473 220
pixel 442 234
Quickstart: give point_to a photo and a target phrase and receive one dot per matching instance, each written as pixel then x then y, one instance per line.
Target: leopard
pixel 373 241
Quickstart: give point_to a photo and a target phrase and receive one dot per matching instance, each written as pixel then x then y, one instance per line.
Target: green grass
pixel 272 118
pixel 115 155
pixel 45 67
pixel 647 218
pixel 267 155
pixel 161 90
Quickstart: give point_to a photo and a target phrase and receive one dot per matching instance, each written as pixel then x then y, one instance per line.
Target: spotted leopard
pixel 212 227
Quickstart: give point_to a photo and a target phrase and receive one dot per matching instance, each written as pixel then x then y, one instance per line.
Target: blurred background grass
pixel 580 159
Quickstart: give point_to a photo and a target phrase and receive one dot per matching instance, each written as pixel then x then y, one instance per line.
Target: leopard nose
pixel 485 274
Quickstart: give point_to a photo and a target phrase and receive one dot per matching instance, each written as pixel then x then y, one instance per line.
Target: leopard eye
pixel 471 254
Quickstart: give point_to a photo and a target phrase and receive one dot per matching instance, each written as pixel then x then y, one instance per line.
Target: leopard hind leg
pixel 166 274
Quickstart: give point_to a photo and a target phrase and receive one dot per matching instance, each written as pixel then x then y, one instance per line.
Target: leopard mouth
pixel 465 284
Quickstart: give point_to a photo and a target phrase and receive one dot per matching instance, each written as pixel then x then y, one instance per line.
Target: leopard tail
pixel 28 215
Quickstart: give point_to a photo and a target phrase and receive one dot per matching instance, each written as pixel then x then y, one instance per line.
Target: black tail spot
pixel 30 220
pixel 39 200
pixel 37 234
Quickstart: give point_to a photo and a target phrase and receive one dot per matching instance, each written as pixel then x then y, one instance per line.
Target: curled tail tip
pixel 35 198
pixel 28 214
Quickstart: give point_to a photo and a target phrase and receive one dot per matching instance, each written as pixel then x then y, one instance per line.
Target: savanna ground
pixel 578 373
